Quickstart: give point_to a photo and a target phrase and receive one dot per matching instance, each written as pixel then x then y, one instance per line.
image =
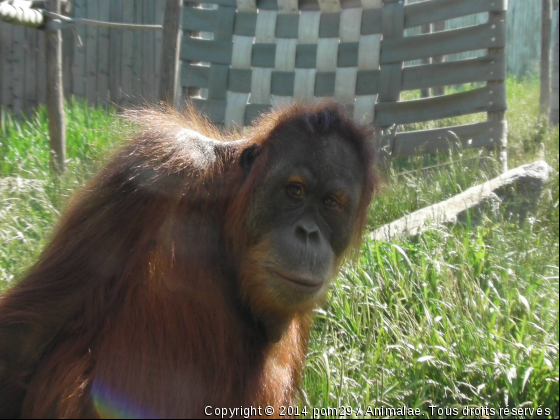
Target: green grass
pixel 458 317
pixel 28 213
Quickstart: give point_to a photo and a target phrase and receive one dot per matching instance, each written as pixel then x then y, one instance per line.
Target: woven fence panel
pixel 264 54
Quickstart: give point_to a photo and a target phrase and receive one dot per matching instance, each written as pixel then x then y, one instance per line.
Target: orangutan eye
pixel 294 190
pixel 330 202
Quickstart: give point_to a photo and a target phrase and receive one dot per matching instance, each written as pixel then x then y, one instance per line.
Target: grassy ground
pixel 460 317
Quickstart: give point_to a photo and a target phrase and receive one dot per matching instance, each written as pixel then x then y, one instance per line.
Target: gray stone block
pixel 517 192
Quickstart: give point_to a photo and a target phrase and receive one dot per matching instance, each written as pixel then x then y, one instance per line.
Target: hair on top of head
pixel 160 125
pixel 166 120
pixel 319 119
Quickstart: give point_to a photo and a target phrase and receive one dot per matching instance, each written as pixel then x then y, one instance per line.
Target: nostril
pixel 301 233
pixel 314 235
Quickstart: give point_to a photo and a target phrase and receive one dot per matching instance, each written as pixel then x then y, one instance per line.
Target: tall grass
pixel 458 317
pixel 29 210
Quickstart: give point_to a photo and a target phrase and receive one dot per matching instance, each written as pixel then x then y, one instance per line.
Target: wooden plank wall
pixel 122 66
pixel 113 66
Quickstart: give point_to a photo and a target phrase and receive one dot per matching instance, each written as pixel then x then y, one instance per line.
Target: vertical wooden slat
pixel 511 39
pixel 116 53
pixel 91 53
pixel 148 51
pixel 68 42
pixel 6 85
pixel 160 11
pixel 18 63
pixel 41 72
pixel 137 92
pixel 188 92
pixel 79 64
pixel 103 52
pixel 31 69
pixel 391 76
pixel 127 53
pixel 546 18
pixel 170 63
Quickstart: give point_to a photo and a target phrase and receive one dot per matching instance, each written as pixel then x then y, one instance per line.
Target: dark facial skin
pixel 303 216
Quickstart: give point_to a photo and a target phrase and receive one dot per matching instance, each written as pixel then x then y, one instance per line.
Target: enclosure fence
pixel 122 66
pixel 107 67
pixel 268 53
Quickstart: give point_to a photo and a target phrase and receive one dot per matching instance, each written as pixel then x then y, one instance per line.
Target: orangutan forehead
pixel 320 158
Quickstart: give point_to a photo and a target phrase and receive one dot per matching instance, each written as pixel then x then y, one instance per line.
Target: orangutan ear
pixel 248 157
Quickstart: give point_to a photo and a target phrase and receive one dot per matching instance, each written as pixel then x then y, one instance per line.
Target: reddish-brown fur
pixel 134 308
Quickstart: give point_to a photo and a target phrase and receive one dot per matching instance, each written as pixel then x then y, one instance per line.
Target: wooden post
pixel 169 76
pixel 501 143
pixel 55 94
pixel 392 18
pixel 426 92
pixel 545 56
pixel 440 90
pixel 554 96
